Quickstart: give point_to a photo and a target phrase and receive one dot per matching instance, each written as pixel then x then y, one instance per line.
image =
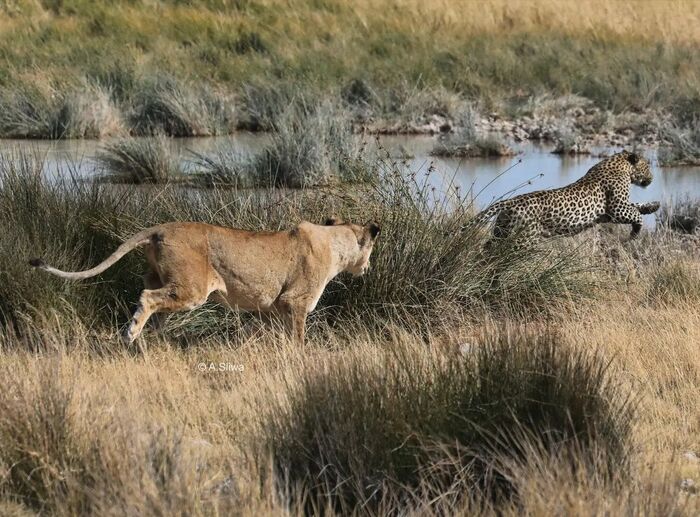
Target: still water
pixel 537 167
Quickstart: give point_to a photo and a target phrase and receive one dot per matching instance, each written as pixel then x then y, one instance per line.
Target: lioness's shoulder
pixel 308 230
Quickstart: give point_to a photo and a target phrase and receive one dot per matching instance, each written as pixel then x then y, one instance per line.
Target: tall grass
pixel 223 167
pixel 683 215
pixel 310 145
pixel 139 160
pixel 356 434
pixel 30 111
pixel 424 269
pixel 164 104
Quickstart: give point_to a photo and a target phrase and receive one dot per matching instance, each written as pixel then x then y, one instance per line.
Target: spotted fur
pixel 601 195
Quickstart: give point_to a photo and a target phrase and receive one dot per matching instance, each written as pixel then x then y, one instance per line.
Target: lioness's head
pixel 358 261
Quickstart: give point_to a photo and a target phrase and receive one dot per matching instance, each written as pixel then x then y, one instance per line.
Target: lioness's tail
pixel 137 240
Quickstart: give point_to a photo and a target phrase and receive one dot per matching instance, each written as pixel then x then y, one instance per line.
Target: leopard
pixel 602 195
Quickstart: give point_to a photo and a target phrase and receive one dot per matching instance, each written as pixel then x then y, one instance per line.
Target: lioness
pixel 281 272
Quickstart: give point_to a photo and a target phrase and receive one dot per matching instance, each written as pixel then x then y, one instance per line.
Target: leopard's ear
pixel 633 158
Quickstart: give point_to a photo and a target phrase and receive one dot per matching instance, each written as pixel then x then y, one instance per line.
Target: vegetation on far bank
pixel 78 69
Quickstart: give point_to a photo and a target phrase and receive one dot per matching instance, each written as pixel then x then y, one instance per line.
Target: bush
pixel 377 428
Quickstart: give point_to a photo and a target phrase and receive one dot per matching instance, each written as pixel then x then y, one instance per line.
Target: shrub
pixel 569 142
pixel 376 428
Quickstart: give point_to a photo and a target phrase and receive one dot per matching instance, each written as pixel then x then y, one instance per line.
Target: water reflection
pixel 538 168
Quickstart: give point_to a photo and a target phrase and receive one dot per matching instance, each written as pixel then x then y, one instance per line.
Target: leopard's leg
pixel 624 212
pixel 647 208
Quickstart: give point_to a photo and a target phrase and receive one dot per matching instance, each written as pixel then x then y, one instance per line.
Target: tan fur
pixel 280 272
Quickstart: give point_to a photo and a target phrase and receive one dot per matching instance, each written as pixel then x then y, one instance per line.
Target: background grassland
pixel 621 54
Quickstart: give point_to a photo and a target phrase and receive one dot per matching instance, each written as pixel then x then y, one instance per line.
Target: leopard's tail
pixel 140 239
pixel 487 214
pixel 491 211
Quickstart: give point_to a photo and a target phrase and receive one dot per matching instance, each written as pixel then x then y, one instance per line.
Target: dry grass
pixel 86 425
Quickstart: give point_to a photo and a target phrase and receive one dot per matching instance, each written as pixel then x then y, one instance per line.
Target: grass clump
pixel 410 423
pixel 60 219
pixel 63 453
pixel 139 160
pixel 163 104
pixel 310 146
pixel 29 111
pixel 569 142
pixel 682 216
pixel 675 283
pixel 263 102
pixel 224 167
pixel 465 142
pixel 684 145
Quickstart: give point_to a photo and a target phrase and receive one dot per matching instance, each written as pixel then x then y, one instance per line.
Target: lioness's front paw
pixel 649 208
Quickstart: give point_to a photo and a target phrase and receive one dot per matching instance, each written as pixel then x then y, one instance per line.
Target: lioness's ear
pixel 633 158
pixel 331 221
pixel 373 229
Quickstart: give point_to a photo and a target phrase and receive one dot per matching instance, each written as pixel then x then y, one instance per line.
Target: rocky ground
pixel 572 122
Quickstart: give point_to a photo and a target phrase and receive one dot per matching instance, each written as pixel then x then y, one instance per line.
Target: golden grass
pixel 673 20
pixel 208 423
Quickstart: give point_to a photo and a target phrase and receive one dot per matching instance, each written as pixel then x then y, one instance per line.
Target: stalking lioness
pixel 282 272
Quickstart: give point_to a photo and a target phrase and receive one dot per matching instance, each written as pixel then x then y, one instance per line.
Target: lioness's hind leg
pixel 152 281
pixel 169 298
